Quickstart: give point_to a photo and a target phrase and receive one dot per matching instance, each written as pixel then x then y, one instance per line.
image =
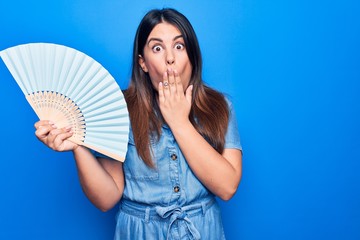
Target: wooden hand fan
pixel 71 89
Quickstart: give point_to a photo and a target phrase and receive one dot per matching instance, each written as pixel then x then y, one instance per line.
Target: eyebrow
pixel 160 40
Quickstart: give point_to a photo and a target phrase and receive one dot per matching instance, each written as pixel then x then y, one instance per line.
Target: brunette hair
pixel 209 112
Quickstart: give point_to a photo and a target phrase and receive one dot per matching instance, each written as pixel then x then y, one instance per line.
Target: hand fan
pixel 70 88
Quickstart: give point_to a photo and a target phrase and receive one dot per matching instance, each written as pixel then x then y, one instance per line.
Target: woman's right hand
pixel 54 138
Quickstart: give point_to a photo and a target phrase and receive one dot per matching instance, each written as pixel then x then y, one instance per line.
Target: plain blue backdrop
pixel 292 70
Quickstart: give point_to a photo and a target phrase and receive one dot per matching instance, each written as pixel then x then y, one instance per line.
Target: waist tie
pixel 179 213
pixel 173 213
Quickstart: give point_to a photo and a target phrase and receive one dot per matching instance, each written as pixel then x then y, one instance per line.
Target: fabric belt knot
pixel 177 213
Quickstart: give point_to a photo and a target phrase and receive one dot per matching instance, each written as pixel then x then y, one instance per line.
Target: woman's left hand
pixel 174 104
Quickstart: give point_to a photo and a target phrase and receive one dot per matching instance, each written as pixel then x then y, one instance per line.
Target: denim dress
pixel 168 201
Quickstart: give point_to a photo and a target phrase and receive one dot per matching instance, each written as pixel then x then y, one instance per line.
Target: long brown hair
pixel 209 112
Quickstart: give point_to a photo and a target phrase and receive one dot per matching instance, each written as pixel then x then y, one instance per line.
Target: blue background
pixel 292 69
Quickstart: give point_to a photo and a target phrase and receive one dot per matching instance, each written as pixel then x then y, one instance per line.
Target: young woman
pixel 184 147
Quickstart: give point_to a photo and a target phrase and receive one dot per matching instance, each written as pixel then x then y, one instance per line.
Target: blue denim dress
pixel 168 201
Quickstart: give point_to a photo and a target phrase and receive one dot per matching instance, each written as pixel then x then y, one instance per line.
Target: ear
pixel 142 64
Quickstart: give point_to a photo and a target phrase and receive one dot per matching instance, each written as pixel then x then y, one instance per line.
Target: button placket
pixel 174 165
pixel 174 170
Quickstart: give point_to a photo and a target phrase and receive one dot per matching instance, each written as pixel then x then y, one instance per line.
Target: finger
pixel 52 136
pixel 161 92
pixel 60 138
pixel 43 131
pixel 171 76
pixel 188 93
pixel 42 123
pixel 178 83
pixel 166 85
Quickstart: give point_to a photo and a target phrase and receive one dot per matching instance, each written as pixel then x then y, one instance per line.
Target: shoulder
pixel 229 102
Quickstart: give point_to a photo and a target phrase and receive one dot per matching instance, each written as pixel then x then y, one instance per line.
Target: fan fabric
pixel 70 88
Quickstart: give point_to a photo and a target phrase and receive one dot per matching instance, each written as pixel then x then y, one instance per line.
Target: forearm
pixel 98 185
pixel 220 174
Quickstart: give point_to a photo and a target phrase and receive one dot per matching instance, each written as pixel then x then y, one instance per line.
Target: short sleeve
pixel 232 137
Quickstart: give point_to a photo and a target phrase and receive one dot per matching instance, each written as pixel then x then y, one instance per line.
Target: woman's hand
pixel 174 104
pixel 54 138
pixel 102 180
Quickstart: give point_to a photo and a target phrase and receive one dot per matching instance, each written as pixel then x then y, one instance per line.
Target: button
pixel 173 156
pixel 176 189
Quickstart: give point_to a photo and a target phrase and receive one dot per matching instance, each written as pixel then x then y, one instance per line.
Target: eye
pixel 179 46
pixel 157 48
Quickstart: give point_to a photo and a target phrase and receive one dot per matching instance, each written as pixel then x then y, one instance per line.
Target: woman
pixel 184 147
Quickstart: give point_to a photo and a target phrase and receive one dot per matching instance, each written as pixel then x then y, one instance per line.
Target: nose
pixel 170 59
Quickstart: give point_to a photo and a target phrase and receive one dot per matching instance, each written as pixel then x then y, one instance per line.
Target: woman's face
pixel 165 49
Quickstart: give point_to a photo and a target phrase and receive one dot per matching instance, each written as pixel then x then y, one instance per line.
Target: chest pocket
pixel 134 166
